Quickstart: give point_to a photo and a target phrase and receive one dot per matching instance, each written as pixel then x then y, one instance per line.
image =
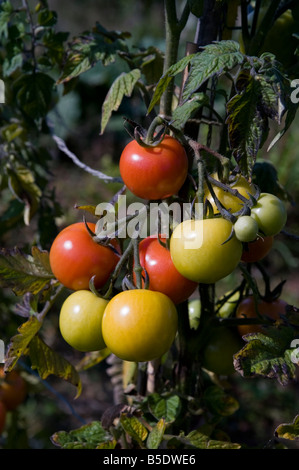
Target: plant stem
pixel 173 29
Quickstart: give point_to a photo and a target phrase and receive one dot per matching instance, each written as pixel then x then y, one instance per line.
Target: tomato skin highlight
pixel 200 251
pixel 75 258
pixel 139 325
pixel 247 309
pixel 154 172
pixel 163 275
pixel 80 321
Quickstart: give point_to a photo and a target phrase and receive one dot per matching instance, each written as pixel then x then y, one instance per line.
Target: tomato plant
pixel 203 251
pixel 248 308
pixel 80 320
pixel 154 172
pixel 257 249
pixel 75 258
pixel 13 389
pixel 222 344
pixel 270 214
pixel 2 417
pixel 163 276
pixel 139 325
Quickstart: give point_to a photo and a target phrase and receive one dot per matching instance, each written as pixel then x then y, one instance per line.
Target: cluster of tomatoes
pixel 13 390
pixel 140 324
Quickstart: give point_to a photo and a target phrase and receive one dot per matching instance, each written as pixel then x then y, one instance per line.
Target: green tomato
pixel 204 250
pixel 219 351
pixel 80 321
pixel 246 228
pixel 270 214
pixel 229 306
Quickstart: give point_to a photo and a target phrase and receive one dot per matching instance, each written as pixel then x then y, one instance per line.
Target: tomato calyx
pixel 148 137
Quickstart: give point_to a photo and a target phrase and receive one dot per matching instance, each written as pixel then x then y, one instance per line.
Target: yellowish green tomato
pixel 246 228
pixel 229 306
pixel 204 250
pixel 80 321
pixel 270 213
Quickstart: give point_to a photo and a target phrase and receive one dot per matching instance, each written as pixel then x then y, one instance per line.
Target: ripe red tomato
pixel 163 276
pixel 257 250
pixel 13 389
pixel 139 325
pixel 247 309
pixel 154 172
pixel 75 258
pixel 2 417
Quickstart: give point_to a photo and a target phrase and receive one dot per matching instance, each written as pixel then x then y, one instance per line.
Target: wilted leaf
pixel 86 50
pixel 220 402
pixel 89 436
pixel 121 87
pixel 268 355
pixel 288 431
pixel 19 343
pixel 47 362
pixel 134 428
pixel 92 358
pixel 201 440
pixel 156 435
pixel 24 273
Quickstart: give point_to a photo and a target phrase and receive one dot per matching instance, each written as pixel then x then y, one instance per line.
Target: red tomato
pixel 246 309
pixel 13 389
pixel 75 258
pixel 163 276
pixel 2 417
pixel 257 250
pixel 154 172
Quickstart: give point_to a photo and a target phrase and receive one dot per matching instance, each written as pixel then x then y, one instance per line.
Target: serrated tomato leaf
pixel 268 355
pixel 22 272
pixel 88 436
pixel 19 343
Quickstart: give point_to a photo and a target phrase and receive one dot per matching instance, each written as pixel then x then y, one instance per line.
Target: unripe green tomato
pixel 194 310
pixel 80 321
pixel 229 306
pixel 246 228
pixel 270 214
pixel 218 354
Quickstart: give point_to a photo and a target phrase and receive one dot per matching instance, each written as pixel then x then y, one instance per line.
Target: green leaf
pixel 288 431
pixel 11 64
pixel 155 437
pixel 34 94
pixel 19 343
pixel 247 123
pixel 121 87
pixel 24 273
pixel 89 436
pixel 185 111
pixel 215 59
pixel 267 355
pixel 219 402
pixel 5 14
pixel 166 79
pixel 47 18
pixel 166 408
pixel 87 50
pixel 47 362
pixel 134 428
